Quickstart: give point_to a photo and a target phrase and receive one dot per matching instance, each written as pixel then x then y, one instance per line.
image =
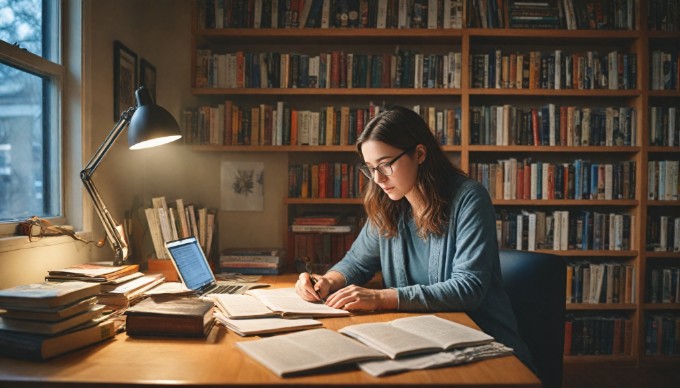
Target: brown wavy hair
pixel 404 129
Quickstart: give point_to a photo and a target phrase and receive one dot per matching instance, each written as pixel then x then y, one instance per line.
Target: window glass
pixel 21 24
pixel 30 170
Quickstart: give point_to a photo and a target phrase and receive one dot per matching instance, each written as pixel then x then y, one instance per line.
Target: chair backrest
pixel 536 285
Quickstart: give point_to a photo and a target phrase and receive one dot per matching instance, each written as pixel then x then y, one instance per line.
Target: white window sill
pixel 13 243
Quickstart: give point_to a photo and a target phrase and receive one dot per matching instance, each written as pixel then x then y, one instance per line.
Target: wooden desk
pixel 216 361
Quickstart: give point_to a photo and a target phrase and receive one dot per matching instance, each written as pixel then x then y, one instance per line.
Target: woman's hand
pixel 359 298
pixel 312 293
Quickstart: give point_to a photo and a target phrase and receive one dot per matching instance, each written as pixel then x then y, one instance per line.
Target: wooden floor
pixel 621 376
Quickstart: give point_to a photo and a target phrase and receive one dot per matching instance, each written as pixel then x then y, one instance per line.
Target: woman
pixel 430 230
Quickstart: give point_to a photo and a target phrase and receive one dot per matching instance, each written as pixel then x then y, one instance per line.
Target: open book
pixel 307 350
pixel 257 326
pixel 418 334
pixel 277 302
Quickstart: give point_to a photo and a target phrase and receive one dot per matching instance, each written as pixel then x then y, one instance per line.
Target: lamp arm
pixel 116 239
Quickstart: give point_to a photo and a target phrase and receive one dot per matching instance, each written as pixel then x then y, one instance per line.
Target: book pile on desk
pixel 252 261
pixel 121 285
pixel 42 320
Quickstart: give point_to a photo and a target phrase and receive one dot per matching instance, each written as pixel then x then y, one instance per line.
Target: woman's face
pixel 404 170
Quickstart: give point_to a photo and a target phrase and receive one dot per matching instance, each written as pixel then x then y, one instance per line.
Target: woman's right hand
pixel 310 292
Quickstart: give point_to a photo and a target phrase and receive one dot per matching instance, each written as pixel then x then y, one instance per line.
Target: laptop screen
pixel 191 263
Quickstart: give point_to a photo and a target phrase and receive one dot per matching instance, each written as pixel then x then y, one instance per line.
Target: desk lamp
pixel 150 126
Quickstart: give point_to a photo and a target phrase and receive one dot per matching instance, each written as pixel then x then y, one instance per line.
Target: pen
pixel 313 281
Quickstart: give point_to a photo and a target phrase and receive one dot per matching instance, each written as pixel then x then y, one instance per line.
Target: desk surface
pixel 215 361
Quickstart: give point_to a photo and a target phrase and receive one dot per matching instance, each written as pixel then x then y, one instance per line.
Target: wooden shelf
pixel 598 359
pixel 663 255
pixel 322 201
pixel 271 148
pixel 590 253
pixel 326 92
pixel 600 306
pixel 565 202
pixel 552 149
pixel 662 306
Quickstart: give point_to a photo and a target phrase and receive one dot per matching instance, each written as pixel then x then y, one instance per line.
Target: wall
pixel 159 31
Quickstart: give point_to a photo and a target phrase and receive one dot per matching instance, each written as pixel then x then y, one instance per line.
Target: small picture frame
pixel 124 79
pixel 148 77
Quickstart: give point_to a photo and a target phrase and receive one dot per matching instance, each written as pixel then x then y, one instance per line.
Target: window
pixel 31 79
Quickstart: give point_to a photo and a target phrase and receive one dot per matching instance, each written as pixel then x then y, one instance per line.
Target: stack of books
pixel 120 286
pixel 252 261
pixel 170 316
pixel 43 320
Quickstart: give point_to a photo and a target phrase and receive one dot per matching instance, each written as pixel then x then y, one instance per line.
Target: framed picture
pixel 124 79
pixel 242 186
pixel 148 77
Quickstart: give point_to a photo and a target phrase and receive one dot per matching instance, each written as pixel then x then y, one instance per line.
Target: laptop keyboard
pixel 227 289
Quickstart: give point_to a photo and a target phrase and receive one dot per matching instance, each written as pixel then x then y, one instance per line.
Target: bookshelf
pixel 634 94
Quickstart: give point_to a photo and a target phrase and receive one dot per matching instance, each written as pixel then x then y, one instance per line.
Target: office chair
pixel 536 285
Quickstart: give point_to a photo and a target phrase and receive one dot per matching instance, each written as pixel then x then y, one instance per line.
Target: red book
pixel 520 182
pixel 563 125
pixel 567 338
pixel 323 178
pixel 527 180
pixel 344 180
pixel 335 69
pixel 534 126
pixel 293 127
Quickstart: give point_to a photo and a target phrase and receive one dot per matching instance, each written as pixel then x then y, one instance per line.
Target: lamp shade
pixel 150 125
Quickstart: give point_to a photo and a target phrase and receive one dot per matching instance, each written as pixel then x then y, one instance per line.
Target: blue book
pixel 593 180
pixel 578 176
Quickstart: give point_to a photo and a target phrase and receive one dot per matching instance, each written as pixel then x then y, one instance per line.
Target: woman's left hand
pixel 359 298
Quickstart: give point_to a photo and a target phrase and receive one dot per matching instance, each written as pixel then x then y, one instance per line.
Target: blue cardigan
pixel 464 266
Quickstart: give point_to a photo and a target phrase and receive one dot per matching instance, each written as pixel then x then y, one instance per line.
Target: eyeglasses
pixel 384 168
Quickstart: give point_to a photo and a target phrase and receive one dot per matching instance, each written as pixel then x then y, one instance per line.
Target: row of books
pixel 266 124
pixel 664 70
pixel 553 125
pixel 514 179
pixel 663 15
pixel 559 230
pixel 554 70
pixel 325 180
pixel 664 126
pixel 662 334
pixel 595 283
pixel 167 223
pixel 587 334
pixel 252 261
pixel 663 233
pixel 336 69
pixel 330 14
pixel 663 284
pixel 663 184
pixel 322 239
pixel 323 250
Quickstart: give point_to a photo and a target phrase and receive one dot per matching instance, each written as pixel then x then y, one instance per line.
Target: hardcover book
pixel 170 316
pixel 41 327
pixel 46 295
pixel 42 347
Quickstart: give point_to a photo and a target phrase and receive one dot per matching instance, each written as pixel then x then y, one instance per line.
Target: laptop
pixel 194 270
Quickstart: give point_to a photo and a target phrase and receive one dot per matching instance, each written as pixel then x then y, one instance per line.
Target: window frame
pixel 55 73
